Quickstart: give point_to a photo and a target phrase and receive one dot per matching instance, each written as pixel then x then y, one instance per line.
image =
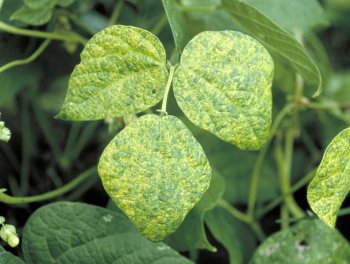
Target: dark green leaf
pixel 8 258
pixel 66 233
pixel 178 23
pixel 232 234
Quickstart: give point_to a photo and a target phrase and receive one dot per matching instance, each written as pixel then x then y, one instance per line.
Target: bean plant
pixel 213 131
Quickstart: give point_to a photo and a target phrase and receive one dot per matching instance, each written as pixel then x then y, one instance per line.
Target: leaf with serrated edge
pixel 328 189
pixel 275 39
pixel 223 85
pixel 155 171
pixel 122 71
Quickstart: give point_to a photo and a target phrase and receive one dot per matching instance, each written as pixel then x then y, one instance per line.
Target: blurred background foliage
pixel 45 153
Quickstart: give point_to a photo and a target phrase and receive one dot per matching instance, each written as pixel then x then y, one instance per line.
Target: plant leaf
pixel 223 85
pixel 331 184
pixel 309 241
pixel 66 233
pixel 275 39
pixel 191 234
pixel 65 3
pixel 301 15
pixel 122 71
pixel 185 25
pixel 232 234
pixel 35 17
pixel 34 4
pixel 8 258
pixel 178 24
pixel 155 171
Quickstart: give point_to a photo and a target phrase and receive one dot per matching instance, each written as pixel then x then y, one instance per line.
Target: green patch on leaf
pixel 328 189
pixel 223 85
pixel 155 171
pixel 308 242
pixel 68 233
pixel 275 39
pixel 122 71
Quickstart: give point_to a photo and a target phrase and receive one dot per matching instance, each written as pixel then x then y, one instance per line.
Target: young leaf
pixel 38 12
pixel 155 171
pixel 8 258
pixel 35 17
pixel 275 39
pixel 34 4
pixel 328 189
pixel 68 233
pixel 309 241
pixel 122 71
pixel 223 85
pixel 191 234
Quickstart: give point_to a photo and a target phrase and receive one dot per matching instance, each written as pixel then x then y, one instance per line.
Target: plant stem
pixel 28 60
pixel 116 12
pixel 67 36
pixel 344 211
pixel 235 212
pixel 260 160
pixel 243 218
pixel 167 89
pixel 284 177
pixel 285 160
pixel 49 195
pixel 275 202
pixel 284 217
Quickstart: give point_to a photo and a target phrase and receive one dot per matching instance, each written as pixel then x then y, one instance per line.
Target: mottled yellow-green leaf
pixel 155 171
pixel 122 71
pixel 328 189
pixel 223 85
